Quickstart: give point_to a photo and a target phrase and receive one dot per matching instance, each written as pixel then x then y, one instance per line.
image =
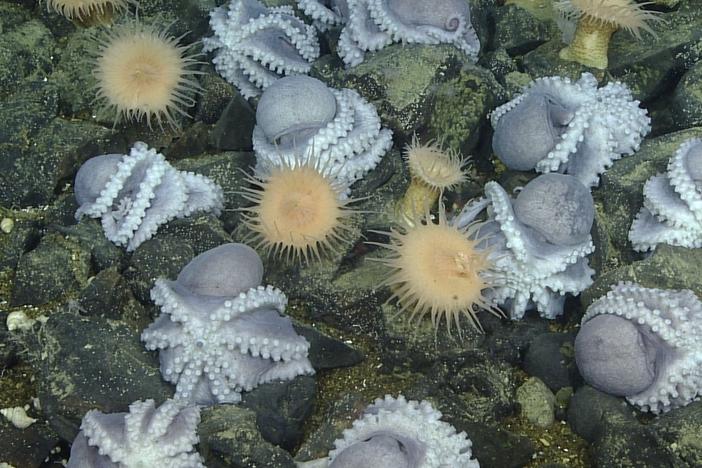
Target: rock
pixel 681 432
pixel 55 268
pixel 282 408
pixel 193 141
pixel 202 232
pixel 686 105
pixel 156 258
pixel 328 353
pixel 216 96
pixel 234 127
pixel 88 233
pixel 229 437
pixel 25 447
pixel 551 358
pixel 537 402
pixel 73 74
pixel 108 296
pixel 26 49
pixel 521 26
pixel 89 363
pixel 590 410
pixel 495 447
pixel 23 236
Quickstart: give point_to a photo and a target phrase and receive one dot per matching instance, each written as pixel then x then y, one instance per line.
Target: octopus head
pixel 558 208
pixel 293 109
pixel 615 355
pixel 448 15
pixel 528 132
pixel 384 448
pixel 693 163
pixel 93 176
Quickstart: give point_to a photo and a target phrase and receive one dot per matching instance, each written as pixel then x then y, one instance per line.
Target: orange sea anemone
pixel 298 212
pixel 142 71
pixel 438 269
pixel 432 170
pixel 88 13
pixel 597 20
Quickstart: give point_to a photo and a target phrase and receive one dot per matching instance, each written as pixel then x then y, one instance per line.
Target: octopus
pixel 644 344
pixel 145 436
pixel 569 127
pixel 396 433
pixel 299 118
pixel 220 332
pixel 370 25
pixel 135 193
pixel 256 45
pixel 537 243
pixel 672 211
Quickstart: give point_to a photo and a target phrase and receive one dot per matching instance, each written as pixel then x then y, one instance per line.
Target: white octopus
pixel 135 193
pixel 299 118
pixel 572 127
pixel 672 211
pixel 537 243
pixel 256 45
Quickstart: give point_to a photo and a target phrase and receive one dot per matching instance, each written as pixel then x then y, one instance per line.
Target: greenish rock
pixel 55 268
pixel 12 15
pixel 156 258
pixel 544 61
pixel 25 53
pixel 26 447
pixel 230 437
pixel 620 197
pixel 686 105
pixel 202 232
pixel 216 96
pixel 537 402
pixel 73 76
pixel 521 26
pixel 459 108
pixel 234 126
pixel 668 268
pixel 30 107
pixel 681 432
pixel 14 243
pixel 88 233
pixel 399 80
pixel 89 363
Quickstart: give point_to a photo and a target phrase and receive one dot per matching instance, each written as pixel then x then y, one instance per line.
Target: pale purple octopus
pixel 396 433
pixel 145 436
pixel 371 25
pixel 644 344
pixel 256 45
pixel 672 211
pixel 571 127
pixel 220 332
pixel 538 243
pixel 300 119
pixel 133 194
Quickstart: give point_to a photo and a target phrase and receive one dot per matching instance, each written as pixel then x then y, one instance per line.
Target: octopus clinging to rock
pixel 644 344
pixel 370 25
pixel 255 45
pixel 538 242
pixel 576 128
pixel 300 119
pixel 147 435
pixel 396 433
pixel 133 194
pixel 672 211
pixel 220 332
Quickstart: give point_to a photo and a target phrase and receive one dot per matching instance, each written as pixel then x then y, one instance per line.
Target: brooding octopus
pixel 145 436
pixel 371 25
pixel 672 211
pixel 396 433
pixel 133 194
pixel 220 332
pixel 570 127
pixel 644 344
pixel 537 243
pixel 299 118
pixel 256 45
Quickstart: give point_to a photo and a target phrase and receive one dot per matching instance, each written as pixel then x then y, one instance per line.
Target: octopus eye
pixel 453 23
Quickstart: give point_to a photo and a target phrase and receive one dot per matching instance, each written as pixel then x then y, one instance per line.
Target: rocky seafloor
pixel 515 389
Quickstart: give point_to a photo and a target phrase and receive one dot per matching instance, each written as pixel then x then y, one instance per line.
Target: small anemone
pixel 143 71
pixel 440 270
pixel 298 212
pixel 89 12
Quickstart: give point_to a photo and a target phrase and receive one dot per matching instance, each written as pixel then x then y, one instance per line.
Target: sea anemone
pixel 143 71
pixel 597 20
pixel 440 270
pixel 88 13
pixel 432 170
pixel 298 212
